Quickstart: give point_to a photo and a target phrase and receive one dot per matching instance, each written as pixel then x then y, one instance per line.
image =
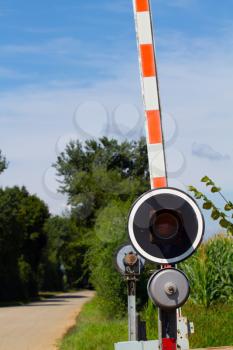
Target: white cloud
pixel 205 151
pixel 196 79
pixel 35 121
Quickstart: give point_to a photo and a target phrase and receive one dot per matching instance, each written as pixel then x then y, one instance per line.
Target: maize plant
pixel 210 272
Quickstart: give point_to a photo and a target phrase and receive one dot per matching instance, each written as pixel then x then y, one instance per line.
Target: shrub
pixel 110 233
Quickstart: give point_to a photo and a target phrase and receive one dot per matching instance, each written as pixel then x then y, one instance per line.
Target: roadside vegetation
pixel 40 251
pixel 22 240
pixel 113 187
pixel 94 331
pixel 210 306
pixel 3 162
pixel 213 327
pixel 210 272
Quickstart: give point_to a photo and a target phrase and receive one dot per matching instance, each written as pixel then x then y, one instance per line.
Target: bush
pixel 109 234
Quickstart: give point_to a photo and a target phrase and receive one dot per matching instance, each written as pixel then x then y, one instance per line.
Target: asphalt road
pixel 39 326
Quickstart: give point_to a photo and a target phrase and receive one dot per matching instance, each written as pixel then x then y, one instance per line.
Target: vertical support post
pixel 160 326
pixel 168 322
pixel 155 140
pixel 132 314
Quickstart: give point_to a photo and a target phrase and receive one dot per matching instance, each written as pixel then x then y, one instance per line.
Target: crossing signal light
pixel 165 226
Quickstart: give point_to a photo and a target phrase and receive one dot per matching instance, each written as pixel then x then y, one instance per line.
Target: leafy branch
pixel 224 216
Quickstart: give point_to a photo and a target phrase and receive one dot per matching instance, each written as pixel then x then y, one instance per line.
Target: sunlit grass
pixel 94 331
pixel 213 327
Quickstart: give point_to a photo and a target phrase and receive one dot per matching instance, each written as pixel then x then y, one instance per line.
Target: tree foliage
pixel 3 163
pixel 102 179
pixel 63 258
pixel 22 240
pixel 96 172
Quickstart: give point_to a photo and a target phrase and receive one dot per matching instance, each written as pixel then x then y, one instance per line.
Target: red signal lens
pixel 165 225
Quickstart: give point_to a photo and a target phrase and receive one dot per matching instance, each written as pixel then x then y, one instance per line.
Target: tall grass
pixel 210 272
pixel 150 315
pixel 213 325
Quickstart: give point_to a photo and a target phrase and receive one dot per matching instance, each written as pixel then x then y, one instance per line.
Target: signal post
pixel 130 264
pixel 165 224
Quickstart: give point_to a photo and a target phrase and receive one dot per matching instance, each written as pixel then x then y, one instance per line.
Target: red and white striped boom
pixel 150 91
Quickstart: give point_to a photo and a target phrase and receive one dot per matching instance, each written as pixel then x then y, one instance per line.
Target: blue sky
pixel 69 70
pixel 43 42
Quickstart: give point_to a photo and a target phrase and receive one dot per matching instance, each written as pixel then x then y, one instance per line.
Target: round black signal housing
pixel 165 226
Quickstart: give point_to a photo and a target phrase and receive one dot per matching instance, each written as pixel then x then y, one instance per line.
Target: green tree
pixel 22 240
pixel 102 179
pixel 63 257
pixel 108 234
pixel 3 163
pixel 94 173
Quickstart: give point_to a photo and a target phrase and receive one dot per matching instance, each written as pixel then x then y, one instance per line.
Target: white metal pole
pixel 132 313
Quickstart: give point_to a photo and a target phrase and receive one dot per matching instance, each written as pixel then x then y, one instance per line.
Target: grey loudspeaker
pixel 168 288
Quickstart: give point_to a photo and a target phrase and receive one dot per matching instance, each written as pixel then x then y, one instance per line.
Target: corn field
pixel 210 272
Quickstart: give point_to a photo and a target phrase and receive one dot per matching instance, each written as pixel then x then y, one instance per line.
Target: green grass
pixel 213 327
pixel 93 331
